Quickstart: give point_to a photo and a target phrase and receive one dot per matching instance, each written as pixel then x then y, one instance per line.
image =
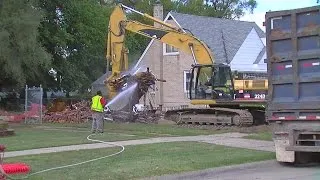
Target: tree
pixel 137 43
pixel 215 8
pixel 22 58
pixel 230 9
pixel 74 32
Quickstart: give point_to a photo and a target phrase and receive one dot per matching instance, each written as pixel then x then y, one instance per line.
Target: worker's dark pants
pixel 97 122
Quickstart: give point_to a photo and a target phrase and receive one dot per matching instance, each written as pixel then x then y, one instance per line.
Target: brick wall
pixel 168 67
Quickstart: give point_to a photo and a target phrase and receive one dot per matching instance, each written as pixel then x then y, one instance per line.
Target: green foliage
pixel 135 42
pixel 22 58
pixel 74 32
pixel 69 36
pixel 230 9
pixel 215 8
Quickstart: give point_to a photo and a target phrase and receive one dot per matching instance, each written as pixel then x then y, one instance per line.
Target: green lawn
pixel 149 129
pixel 140 161
pixel 267 136
pixel 30 138
pixel 50 135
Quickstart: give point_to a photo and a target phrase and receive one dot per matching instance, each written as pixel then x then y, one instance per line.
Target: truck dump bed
pixel 293 58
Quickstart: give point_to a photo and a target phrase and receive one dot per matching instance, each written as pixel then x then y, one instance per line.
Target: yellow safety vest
pixel 96 105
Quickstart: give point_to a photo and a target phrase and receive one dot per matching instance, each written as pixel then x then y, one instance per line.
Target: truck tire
pixel 304 159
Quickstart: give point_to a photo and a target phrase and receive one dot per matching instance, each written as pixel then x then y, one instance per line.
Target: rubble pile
pixel 4 131
pixel 122 107
pixel 76 113
pixel 146 117
pixel 4 126
pixel 80 112
pixel 149 117
pixel 5 113
pixel 145 81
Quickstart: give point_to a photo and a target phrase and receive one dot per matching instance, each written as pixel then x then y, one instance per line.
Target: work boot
pixel 100 131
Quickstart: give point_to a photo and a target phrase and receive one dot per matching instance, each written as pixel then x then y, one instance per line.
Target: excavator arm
pixel 117 54
pixel 210 83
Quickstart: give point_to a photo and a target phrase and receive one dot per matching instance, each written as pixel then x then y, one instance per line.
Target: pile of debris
pixel 5 113
pixel 145 80
pixel 122 112
pixel 122 106
pixel 76 113
pixel 146 117
pixel 149 117
pixel 4 131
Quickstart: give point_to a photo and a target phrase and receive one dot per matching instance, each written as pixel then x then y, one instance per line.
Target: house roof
pixel 223 36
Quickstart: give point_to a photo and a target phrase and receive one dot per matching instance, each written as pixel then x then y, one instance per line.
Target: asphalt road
pixel 267 170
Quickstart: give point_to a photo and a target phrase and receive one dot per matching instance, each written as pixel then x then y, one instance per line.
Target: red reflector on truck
pixel 309 117
pixel 282 67
pixel 276 118
pixel 283 118
pixel 311 64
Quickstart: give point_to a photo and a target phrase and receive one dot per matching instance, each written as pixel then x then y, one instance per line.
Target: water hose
pixel 70 165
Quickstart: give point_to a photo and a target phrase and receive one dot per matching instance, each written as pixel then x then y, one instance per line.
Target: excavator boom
pixel 117 54
pixel 183 41
pixel 170 35
pixel 210 83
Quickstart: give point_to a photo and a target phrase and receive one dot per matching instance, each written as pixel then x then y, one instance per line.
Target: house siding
pixel 170 93
pixel 174 66
pixel 248 53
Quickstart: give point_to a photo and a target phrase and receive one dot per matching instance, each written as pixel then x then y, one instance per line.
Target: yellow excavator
pixel 232 101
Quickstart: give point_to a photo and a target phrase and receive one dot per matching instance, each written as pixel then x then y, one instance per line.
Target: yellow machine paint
pixel 117 55
pixel 251 84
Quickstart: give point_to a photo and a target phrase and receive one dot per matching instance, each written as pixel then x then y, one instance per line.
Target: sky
pixel 263 6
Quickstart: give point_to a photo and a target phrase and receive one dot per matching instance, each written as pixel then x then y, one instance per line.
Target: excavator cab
pixel 211 82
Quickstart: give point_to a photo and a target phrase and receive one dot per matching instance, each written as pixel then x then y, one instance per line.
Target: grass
pixel 140 161
pixel 31 138
pixel 147 129
pixel 50 135
pixel 266 136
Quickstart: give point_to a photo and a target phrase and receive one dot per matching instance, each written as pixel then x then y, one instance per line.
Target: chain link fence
pixel 33 105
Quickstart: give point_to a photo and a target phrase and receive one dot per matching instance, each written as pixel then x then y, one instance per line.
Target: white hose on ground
pixel 70 165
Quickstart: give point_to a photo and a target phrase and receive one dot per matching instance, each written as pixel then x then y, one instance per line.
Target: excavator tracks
pixel 214 116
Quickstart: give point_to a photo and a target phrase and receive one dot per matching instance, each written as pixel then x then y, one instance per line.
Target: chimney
pixel 158 12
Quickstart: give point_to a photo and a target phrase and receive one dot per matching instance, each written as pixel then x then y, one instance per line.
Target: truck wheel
pixel 306 159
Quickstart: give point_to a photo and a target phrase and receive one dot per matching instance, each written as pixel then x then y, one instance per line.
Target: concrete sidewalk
pixel 226 139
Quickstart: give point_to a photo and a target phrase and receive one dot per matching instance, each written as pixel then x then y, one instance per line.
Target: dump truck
pixel 293 58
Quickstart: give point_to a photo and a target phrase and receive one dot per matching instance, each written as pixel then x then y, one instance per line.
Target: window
pixel 186 81
pixel 169 50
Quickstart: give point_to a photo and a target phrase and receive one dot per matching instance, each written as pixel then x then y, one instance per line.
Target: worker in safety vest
pixel 97 107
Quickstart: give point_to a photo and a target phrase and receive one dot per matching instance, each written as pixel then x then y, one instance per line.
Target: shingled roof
pixel 223 36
